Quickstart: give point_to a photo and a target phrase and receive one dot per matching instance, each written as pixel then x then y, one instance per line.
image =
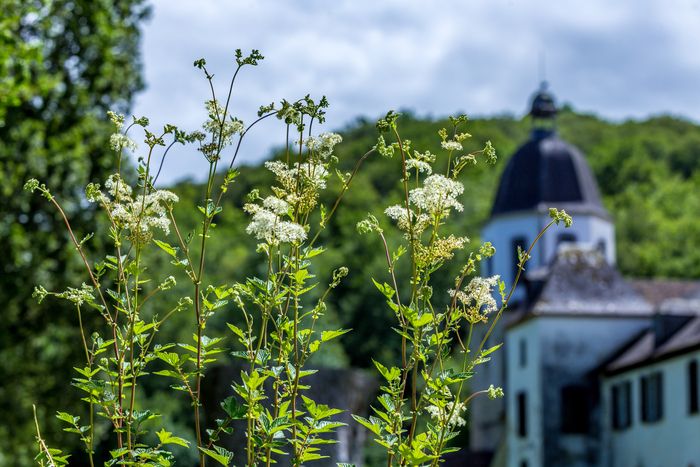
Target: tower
pixel 545 172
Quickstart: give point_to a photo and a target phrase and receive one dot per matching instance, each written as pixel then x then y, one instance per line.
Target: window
pixel 566 238
pixel 574 409
pixel 518 243
pixel 621 405
pixel 523 353
pixel 652 397
pixel 693 403
pixel 601 247
pixel 522 414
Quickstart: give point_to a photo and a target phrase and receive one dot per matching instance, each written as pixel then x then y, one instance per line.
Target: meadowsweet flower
pixel 494 392
pixel 266 225
pixel 117 187
pixel 78 296
pixel 437 195
pixel 116 118
pixel 119 141
pixel 426 156
pixel 451 145
pixel 323 144
pixel 439 250
pixel 31 184
pixel 276 205
pixel 368 225
pixel 214 126
pixel 420 166
pixel 168 283
pixel 477 298
pixel 401 216
pixel 560 216
pixel 442 414
pixel 39 293
pixel 140 214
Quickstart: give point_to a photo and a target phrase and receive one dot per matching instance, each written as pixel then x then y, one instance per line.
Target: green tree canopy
pixel 63 64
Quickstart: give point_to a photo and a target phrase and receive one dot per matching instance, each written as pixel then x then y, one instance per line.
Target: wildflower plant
pixel 281 327
pixel 275 320
pixel 424 397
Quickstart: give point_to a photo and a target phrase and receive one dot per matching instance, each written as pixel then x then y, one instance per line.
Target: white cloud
pixel 620 59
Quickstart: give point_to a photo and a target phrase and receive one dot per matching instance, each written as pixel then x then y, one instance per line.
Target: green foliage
pixel 63 64
pixel 422 401
pixel 281 314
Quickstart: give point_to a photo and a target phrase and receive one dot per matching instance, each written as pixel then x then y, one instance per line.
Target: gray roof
pixel 669 294
pixel 547 171
pixel 582 282
pixel 644 350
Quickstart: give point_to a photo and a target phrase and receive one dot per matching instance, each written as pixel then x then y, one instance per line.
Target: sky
pixel 618 59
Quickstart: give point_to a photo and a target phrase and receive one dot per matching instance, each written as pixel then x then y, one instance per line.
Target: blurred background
pixel 626 75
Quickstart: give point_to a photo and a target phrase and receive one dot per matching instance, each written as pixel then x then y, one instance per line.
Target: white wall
pixel 500 231
pixel 560 350
pixel 674 441
pixel 526 378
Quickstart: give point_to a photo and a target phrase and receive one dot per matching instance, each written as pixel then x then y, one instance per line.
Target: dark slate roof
pixel 645 349
pixel 547 172
pixel 582 282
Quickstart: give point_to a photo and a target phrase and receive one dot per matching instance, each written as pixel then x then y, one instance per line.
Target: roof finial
pixel 543 71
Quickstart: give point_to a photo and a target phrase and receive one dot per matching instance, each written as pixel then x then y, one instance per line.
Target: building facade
pixel 572 324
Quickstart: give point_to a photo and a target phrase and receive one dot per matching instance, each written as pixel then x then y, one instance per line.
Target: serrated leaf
pixel 219 454
pixel 166 437
pixel 166 247
pixel 328 335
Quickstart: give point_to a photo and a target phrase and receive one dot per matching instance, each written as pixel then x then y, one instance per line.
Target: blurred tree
pixel 63 64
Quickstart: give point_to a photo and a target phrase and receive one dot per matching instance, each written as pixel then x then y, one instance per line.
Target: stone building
pixel 580 340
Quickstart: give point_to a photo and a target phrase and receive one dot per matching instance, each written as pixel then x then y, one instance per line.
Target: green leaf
pixel 166 247
pixel 219 454
pixel 328 335
pixel 373 427
pixel 68 418
pixel 385 289
pixel 232 408
pixel 389 374
pixel 166 437
pixel 491 350
pixel 422 320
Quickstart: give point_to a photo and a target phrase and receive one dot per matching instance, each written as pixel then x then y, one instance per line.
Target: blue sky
pixel 619 59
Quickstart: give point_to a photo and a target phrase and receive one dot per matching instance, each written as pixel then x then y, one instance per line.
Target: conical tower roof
pixel 547 171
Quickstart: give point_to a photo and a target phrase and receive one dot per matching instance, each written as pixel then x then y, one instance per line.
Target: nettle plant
pixel 422 400
pixel 281 327
pixel 424 396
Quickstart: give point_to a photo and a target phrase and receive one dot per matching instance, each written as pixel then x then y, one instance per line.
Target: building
pixel 582 344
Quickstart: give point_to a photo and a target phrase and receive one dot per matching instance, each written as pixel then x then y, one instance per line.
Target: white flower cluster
pixel 116 119
pixel 323 144
pixel 451 145
pixel 119 141
pixel 478 296
pixel 442 413
pixel 400 215
pixel 117 187
pixel 312 173
pixel 230 127
pixel 420 166
pixel 437 195
pixel 139 214
pixel 268 225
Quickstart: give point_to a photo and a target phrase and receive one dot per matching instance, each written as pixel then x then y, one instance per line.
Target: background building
pixel 586 351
